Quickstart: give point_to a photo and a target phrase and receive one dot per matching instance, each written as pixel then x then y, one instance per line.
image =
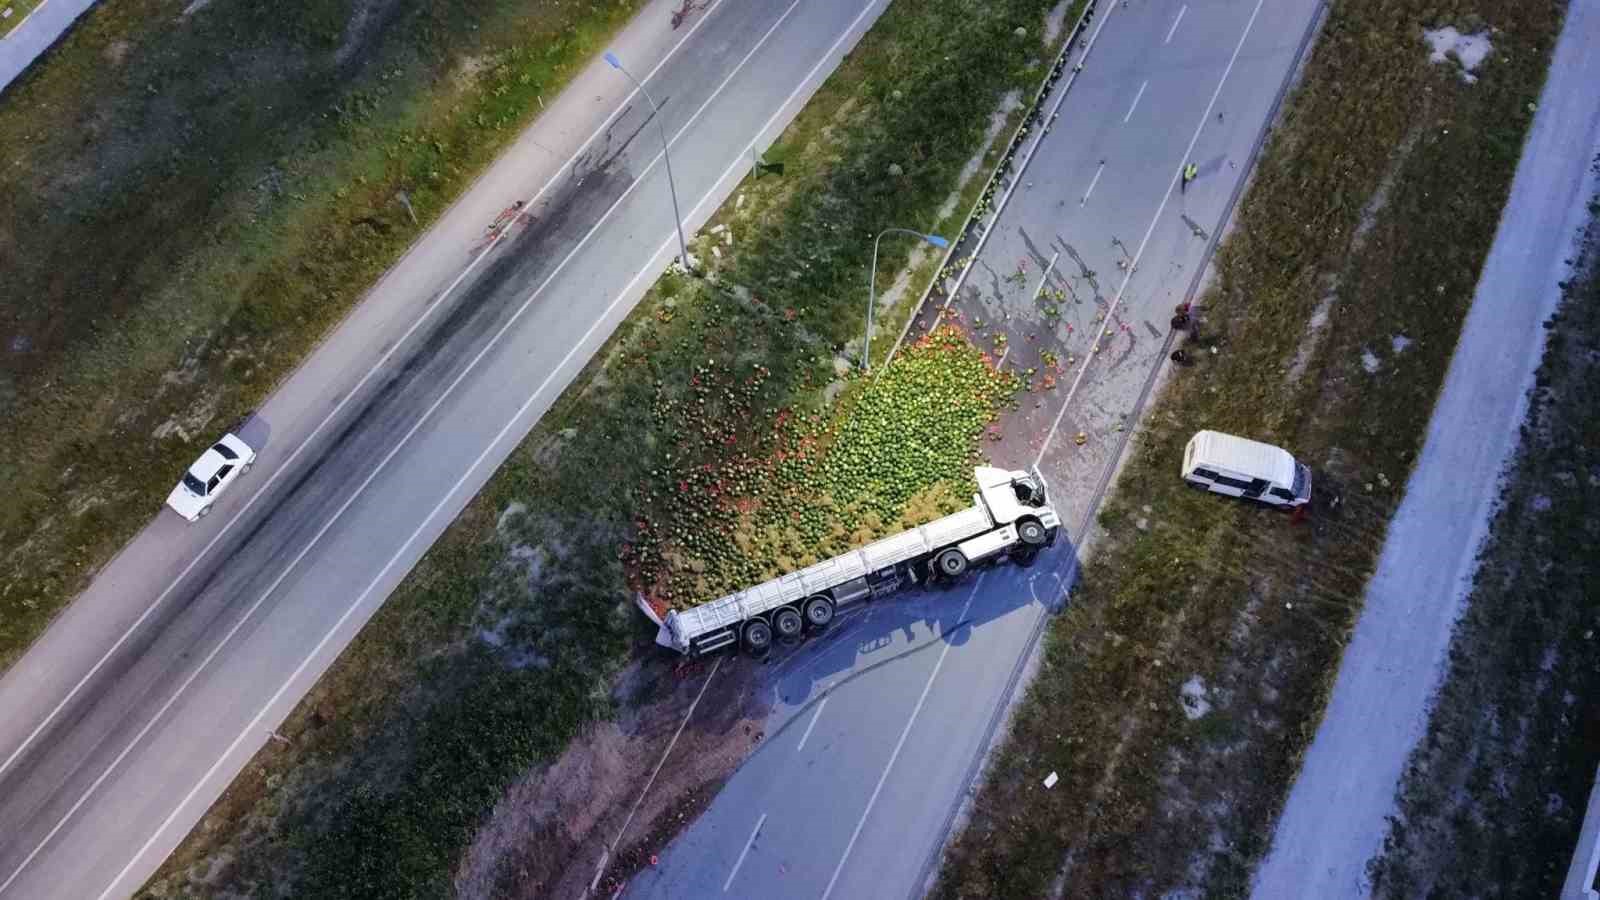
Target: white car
pixel 210 475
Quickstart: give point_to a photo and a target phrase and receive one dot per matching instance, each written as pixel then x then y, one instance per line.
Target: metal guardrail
pixel 971 235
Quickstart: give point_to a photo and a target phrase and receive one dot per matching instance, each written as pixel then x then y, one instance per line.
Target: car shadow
pixel 253 430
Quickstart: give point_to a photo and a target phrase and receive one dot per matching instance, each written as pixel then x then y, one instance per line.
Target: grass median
pixel 504 642
pixel 1176 694
pixel 190 200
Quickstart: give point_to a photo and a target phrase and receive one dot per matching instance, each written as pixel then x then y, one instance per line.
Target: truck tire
pixel 819 611
pixel 757 637
pixel 1025 557
pixel 788 623
pixel 951 563
pixel 1032 533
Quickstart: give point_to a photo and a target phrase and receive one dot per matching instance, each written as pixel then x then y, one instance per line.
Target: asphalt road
pixel 874 745
pixel 137 707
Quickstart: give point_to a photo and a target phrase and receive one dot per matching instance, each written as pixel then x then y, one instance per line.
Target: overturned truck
pixel 1010 516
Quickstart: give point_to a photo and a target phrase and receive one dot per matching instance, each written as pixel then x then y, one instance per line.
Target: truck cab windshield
pixel 1028 493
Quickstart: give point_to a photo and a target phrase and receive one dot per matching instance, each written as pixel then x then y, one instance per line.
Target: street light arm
pixel 872 284
pixel 666 156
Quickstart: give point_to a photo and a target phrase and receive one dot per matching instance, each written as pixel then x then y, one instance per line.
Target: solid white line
pixel 814 717
pixel 1092 182
pixel 983 238
pixel 904 733
pixel 605 853
pixel 1174 29
pixel 1135 101
pixel 1002 360
pixel 284 467
pixel 747 844
pixel 739 162
pixel 1134 263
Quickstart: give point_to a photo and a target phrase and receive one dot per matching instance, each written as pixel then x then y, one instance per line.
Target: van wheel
pixel 204 511
pixel 951 563
pixel 757 637
pixel 247 466
pixel 788 623
pixel 1031 532
pixel 819 611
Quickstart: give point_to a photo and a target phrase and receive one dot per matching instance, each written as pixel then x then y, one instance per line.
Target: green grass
pixel 187 204
pixel 896 452
pixel 1492 800
pixel 401 749
pixel 1149 802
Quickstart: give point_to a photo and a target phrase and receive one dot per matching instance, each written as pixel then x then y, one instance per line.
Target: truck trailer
pixel 1010 516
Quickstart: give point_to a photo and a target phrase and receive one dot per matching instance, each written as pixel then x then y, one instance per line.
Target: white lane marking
pixel 1045 275
pixel 605 852
pixel 738 163
pixel 747 844
pixel 900 744
pixel 284 467
pixel 814 717
pixel 1135 104
pixel 983 238
pixel 1174 30
pixel 1002 360
pixel 1134 263
pixel 1092 182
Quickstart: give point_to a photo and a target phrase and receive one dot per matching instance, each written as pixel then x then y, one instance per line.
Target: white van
pixel 1238 467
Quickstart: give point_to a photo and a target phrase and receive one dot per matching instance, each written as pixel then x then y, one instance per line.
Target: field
pixel 1493 798
pixel 190 200
pixel 1179 689
pixel 513 636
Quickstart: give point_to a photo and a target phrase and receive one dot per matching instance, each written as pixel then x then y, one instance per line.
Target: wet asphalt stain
pixel 218 592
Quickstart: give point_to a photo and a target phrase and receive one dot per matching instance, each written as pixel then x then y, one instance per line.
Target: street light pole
pixel 872 284
pixel 677 219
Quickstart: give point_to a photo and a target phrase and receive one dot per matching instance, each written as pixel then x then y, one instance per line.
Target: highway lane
pixel 865 813
pixel 132 714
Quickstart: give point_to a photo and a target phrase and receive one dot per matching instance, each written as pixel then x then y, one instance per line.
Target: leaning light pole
pixel 872 284
pixel 677 219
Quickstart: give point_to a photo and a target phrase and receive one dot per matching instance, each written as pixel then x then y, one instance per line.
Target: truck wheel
pixel 951 563
pixel 788 623
pixel 1031 532
pixel 819 611
pixel 1026 558
pixel 757 636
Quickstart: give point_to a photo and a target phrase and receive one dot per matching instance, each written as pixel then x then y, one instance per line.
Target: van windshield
pixel 1299 480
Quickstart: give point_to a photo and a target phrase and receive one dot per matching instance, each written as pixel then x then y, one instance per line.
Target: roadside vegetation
pixel 190 197
pixel 507 640
pixel 1180 688
pixel 1492 800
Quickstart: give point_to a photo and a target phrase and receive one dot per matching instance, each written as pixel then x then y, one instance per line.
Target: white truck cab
pixel 1239 467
